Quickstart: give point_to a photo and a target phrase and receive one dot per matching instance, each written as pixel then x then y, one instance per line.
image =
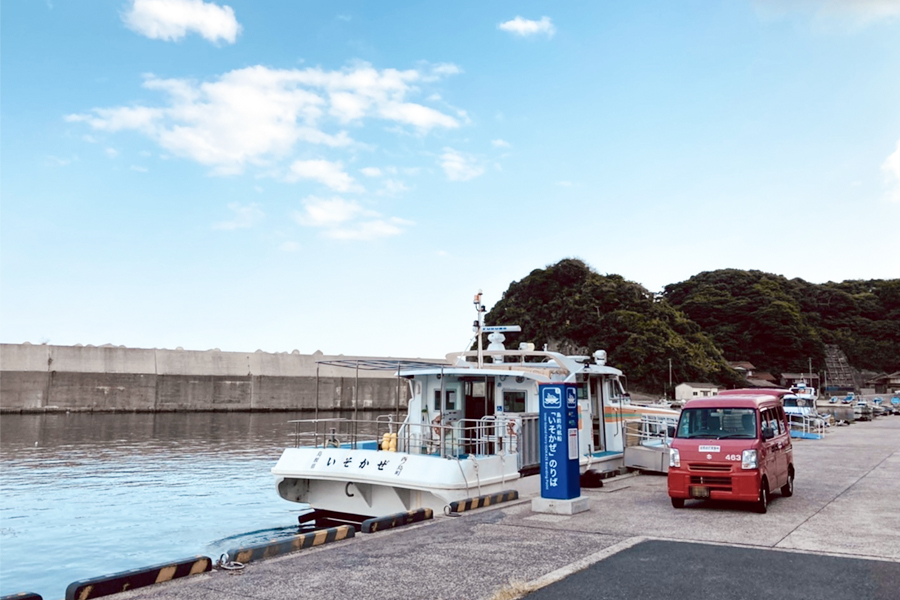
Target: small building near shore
pixel 690 390
pixel 743 367
pixel 887 383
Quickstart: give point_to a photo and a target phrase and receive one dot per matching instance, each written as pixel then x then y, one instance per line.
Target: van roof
pixel 746 400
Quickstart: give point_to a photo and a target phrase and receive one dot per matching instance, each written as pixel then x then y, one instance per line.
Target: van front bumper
pixel 693 481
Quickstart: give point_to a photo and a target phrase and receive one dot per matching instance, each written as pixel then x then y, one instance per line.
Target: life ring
pixel 436 422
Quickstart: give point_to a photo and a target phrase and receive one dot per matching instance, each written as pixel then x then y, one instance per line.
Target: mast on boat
pixel 478 327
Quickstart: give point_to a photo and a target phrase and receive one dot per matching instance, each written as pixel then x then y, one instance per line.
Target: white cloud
pixel 245 216
pixel 343 219
pixel 459 166
pixel 526 27
pixel 369 230
pixel 254 115
pixel 123 117
pixel 289 246
pixel 564 183
pixel 500 144
pixel 329 212
pixel 139 169
pixel 371 171
pixel 171 20
pixel 442 70
pixel 891 167
pixel 392 187
pixel 111 152
pixel 327 173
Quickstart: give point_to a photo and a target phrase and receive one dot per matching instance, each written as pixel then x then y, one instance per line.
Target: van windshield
pixel 717 423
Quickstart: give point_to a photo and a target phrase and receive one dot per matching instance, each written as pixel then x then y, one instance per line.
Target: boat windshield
pixel 717 423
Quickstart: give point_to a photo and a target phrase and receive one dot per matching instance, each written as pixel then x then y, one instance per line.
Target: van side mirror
pixel 767 434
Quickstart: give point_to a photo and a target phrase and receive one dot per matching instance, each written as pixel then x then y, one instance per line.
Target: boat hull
pixel 376 483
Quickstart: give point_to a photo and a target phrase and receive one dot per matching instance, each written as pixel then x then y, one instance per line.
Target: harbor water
pixel 85 495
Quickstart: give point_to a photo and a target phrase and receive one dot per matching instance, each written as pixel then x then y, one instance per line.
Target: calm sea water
pixel 85 495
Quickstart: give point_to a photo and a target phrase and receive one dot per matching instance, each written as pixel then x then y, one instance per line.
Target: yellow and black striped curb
pixel 396 520
pixel 299 542
pixel 22 596
pixel 136 578
pixel 482 501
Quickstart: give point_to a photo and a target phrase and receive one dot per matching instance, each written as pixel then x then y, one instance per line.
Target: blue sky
pixel 344 176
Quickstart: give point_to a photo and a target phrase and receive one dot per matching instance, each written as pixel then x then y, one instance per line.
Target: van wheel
pixel 787 490
pixel 677 502
pixel 762 505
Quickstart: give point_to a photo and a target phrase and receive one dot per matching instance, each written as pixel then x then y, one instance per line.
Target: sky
pixel 345 176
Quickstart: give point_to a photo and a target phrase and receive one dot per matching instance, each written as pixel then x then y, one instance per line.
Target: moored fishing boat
pixel 470 428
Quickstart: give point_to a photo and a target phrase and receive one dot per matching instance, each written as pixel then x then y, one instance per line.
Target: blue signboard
pixel 559 441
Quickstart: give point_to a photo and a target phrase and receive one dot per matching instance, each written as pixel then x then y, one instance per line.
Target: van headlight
pixel 748 459
pixel 674 457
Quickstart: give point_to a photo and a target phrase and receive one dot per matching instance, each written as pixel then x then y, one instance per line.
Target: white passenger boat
pixel 470 428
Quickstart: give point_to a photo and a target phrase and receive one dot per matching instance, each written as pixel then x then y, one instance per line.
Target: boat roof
pixel 383 364
pixel 778 393
pixel 487 371
pixel 543 365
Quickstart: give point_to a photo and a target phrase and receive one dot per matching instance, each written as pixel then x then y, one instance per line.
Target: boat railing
pixel 807 426
pixel 485 436
pixel 336 432
pixel 651 430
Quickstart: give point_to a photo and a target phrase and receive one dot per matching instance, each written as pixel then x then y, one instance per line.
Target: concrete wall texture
pixel 43 378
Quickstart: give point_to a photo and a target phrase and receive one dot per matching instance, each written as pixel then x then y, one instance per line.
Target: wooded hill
pixel 714 317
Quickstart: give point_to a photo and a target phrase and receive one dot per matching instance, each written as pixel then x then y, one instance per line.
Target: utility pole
pixel 670 376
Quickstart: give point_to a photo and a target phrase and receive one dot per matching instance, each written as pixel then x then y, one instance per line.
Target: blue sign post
pixel 559 441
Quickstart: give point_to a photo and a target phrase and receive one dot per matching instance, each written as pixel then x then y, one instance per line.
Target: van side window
pixel 780 412
pixel 773 421
pixel 768 421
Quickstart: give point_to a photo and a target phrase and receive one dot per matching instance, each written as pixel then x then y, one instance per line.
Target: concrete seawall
pixel 43 378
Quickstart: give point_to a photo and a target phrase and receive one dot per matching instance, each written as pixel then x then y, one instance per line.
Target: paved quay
pixel 837 537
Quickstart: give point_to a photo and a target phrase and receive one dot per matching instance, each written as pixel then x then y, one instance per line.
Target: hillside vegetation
pixel 775 323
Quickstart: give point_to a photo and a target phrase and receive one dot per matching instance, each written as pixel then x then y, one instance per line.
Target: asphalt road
pixel 665 570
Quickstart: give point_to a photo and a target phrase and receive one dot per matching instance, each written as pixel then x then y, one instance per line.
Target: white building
pixel 690 390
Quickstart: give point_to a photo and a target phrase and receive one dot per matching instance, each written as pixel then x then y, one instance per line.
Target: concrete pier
pixel 44 378
pixel 837 537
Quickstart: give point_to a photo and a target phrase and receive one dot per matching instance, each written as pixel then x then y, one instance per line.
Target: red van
pixel 731 447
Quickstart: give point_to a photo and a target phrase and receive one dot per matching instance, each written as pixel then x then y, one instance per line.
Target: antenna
pixel 478 326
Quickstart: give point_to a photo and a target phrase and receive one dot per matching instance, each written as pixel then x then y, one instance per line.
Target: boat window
pixel 475 389
pixel 583 391
pixel 449 400
pixel 717 423
pixel 513 401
